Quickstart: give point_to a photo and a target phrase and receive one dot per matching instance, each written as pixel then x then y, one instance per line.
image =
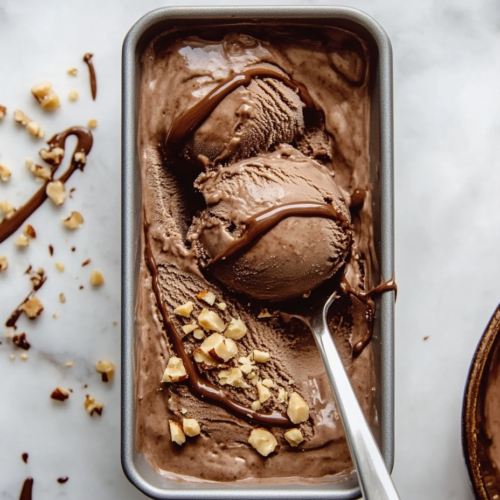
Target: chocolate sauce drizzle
pixel 27 491
pixel 366 298
pixel 37 283
pixel 201 388
pixel 259 224
pixel 84 145
pixel 194 116
pixel 87 58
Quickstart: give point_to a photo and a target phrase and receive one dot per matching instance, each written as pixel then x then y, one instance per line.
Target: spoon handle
pixel 374 479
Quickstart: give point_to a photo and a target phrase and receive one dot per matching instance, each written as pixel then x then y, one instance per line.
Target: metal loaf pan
pixel 138 471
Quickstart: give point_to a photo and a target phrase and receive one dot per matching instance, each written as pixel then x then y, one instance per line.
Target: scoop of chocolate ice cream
pixel 296 255
pixel 250 120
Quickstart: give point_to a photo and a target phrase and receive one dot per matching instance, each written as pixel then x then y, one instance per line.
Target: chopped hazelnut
pixel 207 296
pixel 92 123
pixel 191 427
pixel 24 356
pixel 211 321
pixel 220 348
pixel 4 173
pixel 222 306
pixel 256 405
pixel 3 112
pixel 263 441
pixel 236 329
pixel 60 266
pixel 28 162
pixel 267 382
pixel 12 357
pixel 41 172
pixel 246 369
pixel 52 156
pixel 189 328
pixel 260 356
pixel 294 437
pixel 29 230
pixel 69 364
pixel 74 221
pixel 73 95
pixel 22 241
pixel 223 376
pixel 199 334
pixel 106 369
pixel 235 378
pixel 298 410
pixel 96 278
pixel 175 371
pixel 92 406
pixel 204 359
pixel 59 394
pixel 183 411
pixel 81 158
pixel 33 128
pixel 72 71
pixel 4 263
pixel 264 314
pixel 62 298
pixel 264 392
pixel 32 308
pixel 56 192
pixel 7 209
pixel 282 395
pixel 46 96
pixel 21 341
pixel 176 433
pixel 185 309
pixel 21 118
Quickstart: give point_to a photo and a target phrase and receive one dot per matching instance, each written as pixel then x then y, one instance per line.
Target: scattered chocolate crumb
pixel 73 249
pixel 59 395
pixel 85 386
pixel 81 287
pixel 426 337
pixel 71 191
pixel 21 342
pixel 86 262
pixel 51 250
pixel 28 270
pixel 62 480
pixel 24 456
pixel 70 390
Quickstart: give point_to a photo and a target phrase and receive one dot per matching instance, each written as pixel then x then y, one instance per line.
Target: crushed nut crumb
pixel 62 298
pixel 22 241
pixel 106 369
pixel 72 71
pixel 29 230
pixel 59 394
pixel 56 192
pixel 74 221
pixel 92 123
pixel 46 96
pixel 4 263
pixel 32 308
pixel 96 278
pixel 24 356
pixel 92 406
pixel 60 266
pixel 73 95
pixel 5 173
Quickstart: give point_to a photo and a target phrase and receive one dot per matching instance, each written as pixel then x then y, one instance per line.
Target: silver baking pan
pixel 137 469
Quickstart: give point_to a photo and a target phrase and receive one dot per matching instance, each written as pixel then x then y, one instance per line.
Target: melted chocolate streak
pixel 87 58
pixel 194 116
pixel 199 387
pixel 11 322
pixel 84 145
pixel 27 491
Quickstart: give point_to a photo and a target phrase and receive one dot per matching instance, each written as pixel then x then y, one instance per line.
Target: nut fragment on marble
pixel 73 95
pixel 92 123
pixel 106 368
pixel 5 173
pixel 263 441
pixel 264 392
pixel 92 406
pixel 56 192
pixel 41 172
pixel 46 97
pixel 59 266
pixel 4 263
pixel 3 112
pixel 29 230
pixel 72 71
pixel 32 307
pixel 74 221
pixel 21 341
pixel 59 394
pixel 96 278
pixel 7 209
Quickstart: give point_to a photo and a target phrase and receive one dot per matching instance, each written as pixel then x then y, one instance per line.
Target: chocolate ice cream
pixel 254 149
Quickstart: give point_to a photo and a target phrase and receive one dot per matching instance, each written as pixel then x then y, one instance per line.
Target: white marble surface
pixel 447 122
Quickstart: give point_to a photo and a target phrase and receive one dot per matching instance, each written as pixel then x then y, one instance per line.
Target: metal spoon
pixel 374 478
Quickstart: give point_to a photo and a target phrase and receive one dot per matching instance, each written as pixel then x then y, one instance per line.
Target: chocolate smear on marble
pixel 259 224
pixel 58 395
pixel 201 388
pixel 84 145
pixel 62 480
pixel 86 262
pixel 24 456
pixel 37 282
pixel 51 250
pixel 194 116
pixel 87 58
pixel 27 491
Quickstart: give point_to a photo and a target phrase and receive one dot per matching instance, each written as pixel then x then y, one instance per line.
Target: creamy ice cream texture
pixel 233 126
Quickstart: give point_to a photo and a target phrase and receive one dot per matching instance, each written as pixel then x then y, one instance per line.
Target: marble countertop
pixel 447 122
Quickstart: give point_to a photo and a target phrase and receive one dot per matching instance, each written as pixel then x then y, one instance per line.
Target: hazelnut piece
pixel 222 306
pixel 39 171
pixel 92 406
pixel 60 266
pixel 235 378
pixel 207 296
pixel 185 309
pixel 32 308
pixel 176 433
pixel 220 348
pixel 199 334
pixel 175 371
pixel 261 356
pixel 264 392
pixel 106 369
pixel 191 427
pixel 4 264
pixel 74 221
pixel 189 328
pixel 73 95
pixel 4 173
pixel 294 437
pixel 46 96
pixel 92 123
pixel 29 230
pixel 236 329
pixel 96 278
pixel 59 394
pixel 22 241
pixel 298 410
pixel 56 192
pixel 263 441
pixel 211 321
